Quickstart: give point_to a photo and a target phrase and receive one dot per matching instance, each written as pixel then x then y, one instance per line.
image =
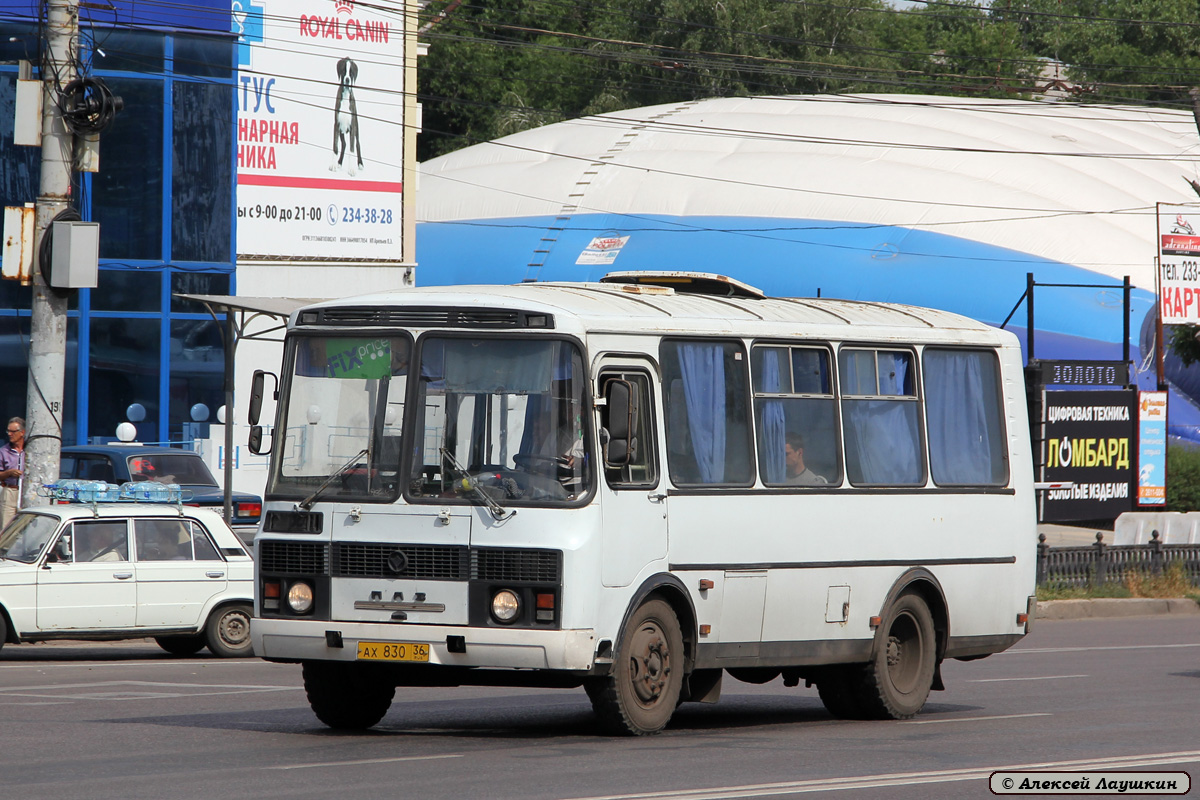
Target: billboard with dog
pixel 320 144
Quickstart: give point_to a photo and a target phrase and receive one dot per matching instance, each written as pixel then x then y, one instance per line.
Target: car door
pixel 87 583
pixel 178 571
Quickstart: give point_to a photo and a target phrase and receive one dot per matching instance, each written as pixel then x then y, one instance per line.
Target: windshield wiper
pixel 306 503
pixel 470 484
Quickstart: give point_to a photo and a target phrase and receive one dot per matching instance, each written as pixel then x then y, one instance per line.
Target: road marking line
pixel 974 719
pixel 364 761
pixel 135 690
pixel 172 684
pixel 902 778
pixel 1037 678
pixel 1023 650
pixel 158 662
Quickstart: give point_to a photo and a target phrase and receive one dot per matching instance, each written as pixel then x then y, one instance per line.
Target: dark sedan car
pixel 119 463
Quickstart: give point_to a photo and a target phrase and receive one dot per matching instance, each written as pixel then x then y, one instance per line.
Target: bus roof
pixel 629 308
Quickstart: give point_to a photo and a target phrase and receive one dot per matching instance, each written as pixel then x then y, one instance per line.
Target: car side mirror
pixel 61 550
pixel 618 397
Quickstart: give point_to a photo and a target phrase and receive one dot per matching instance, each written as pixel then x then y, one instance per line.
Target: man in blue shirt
pixel 12 467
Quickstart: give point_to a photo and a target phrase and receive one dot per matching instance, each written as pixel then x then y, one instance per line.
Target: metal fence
pixel 1099 564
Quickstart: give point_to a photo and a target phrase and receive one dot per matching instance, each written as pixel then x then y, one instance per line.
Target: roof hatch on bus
pixel 689 282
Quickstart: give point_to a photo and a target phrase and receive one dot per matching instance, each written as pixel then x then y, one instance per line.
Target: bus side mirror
pixel 618 396
pixel 254 442
pixel 257 387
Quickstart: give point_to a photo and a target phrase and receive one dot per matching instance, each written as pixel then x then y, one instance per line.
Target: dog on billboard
pixel 345 119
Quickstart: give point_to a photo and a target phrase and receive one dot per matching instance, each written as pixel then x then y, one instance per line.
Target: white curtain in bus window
pixel 794 406
pixel 880 418
pixel 707 424
pixel 966 425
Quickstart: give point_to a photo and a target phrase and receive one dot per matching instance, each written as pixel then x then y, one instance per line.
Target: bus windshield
pixel 342 418
pixel 502 417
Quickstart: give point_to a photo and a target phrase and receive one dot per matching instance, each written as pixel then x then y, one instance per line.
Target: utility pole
pixel 48 313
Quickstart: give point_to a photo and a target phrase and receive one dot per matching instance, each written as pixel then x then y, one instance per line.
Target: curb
pixel 1104 608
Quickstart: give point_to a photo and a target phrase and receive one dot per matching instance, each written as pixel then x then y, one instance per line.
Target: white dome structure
pixel 935 201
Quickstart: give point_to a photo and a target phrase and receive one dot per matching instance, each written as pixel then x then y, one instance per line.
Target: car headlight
pixel 505 605
pixel 300 597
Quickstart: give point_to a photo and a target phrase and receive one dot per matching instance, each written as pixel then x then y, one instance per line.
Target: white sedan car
pixel 126 571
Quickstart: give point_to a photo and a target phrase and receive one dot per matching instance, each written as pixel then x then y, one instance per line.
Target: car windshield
pixel 339 430
pixel 170 468
pixel 26 535
pixel 503 417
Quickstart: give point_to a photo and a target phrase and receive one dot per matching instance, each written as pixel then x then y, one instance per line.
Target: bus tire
pixel 896 682
pixel 839 691
pixel 347 696
pixel 641 692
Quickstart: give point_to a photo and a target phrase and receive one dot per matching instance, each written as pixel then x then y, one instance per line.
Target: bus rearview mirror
pixel 254 442
pixel 618 397
pixel 257 386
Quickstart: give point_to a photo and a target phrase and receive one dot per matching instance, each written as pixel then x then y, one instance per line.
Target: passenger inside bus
pixel 798 474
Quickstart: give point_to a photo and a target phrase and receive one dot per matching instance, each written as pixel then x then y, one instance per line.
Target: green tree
pixel 1118 49
pixel 501 68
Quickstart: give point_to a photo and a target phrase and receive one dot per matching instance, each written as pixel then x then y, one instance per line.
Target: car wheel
pixel 347 696
pixel 3 630
pixel 228 631
pixel 181 645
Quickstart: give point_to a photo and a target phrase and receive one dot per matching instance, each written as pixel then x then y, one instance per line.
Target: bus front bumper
pixel 323 640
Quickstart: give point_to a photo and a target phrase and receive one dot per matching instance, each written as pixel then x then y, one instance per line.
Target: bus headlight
pixel 505 606
pixel 300 597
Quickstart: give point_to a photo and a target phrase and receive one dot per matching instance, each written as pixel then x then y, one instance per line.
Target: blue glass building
pixel 164 198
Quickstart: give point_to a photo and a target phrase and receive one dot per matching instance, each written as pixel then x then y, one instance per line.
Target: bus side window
pixel 881 417
pixel 641 468
pixel 708 412
pixel 796 415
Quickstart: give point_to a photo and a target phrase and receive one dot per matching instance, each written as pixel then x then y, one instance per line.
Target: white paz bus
pixel 637 486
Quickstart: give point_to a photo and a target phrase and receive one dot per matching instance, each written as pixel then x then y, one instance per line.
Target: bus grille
pixel 428 562
pixel 512 564
pixel 363 560
pixel 293 558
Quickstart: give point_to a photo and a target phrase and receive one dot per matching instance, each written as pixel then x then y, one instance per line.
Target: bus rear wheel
pixel 895 684
pixel 346 695
pixel 839 691
pixel 640 694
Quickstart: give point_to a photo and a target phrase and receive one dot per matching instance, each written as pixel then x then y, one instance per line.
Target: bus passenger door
pixel 633 498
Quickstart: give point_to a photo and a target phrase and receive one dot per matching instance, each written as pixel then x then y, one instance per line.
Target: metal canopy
pixel 240 313
pixel 248 309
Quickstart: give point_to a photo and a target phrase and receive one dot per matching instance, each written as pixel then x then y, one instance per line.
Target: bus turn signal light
pixel 545 606
pixel 270 594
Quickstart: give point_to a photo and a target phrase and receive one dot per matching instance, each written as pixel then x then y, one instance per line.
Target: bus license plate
pixel 392 651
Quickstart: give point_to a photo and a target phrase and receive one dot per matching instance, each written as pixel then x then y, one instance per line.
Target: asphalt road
pixel 127 721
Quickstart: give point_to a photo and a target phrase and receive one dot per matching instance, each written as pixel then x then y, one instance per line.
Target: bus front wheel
pixel 346 695
pixel 896 682
pixel 642 691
